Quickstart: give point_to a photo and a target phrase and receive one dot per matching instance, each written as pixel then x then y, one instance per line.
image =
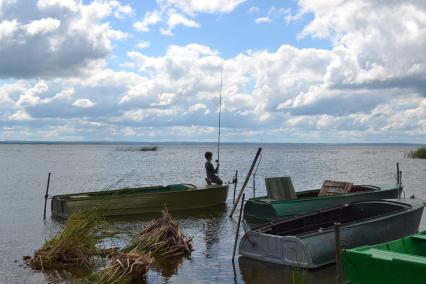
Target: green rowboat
pixel 395 262
pixel 128 201
pixel 266 209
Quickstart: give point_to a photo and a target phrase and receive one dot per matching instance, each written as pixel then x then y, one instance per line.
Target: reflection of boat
pixel 259 272
pixel 399 261
pixel 139 200
pixel 264 208
pixel 308 240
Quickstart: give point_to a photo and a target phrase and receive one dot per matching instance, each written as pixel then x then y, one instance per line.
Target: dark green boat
pixel 395 262
pixel 266 209
pixel 128 201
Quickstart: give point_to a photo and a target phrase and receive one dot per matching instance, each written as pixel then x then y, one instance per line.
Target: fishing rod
pixel 220 112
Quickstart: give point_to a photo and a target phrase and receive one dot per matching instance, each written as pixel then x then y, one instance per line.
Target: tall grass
pixel 418 154
pixel 163 238
pixel 75 245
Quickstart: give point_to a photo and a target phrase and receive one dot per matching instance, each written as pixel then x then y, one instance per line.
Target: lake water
pixel 75 168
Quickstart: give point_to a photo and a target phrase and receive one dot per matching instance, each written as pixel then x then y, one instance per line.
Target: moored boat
pixel 128 201
pixel 307 240
pixel 399 261
pixel 267 209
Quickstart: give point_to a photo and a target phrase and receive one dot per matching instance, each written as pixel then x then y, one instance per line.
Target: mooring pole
pixel 235 185
pixel 338 256
pixel 46 196
pixel 246 181
pixel 238 227
pixel 398 180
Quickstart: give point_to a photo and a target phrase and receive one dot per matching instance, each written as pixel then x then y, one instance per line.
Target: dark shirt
pixel 211 173
pixel 210 170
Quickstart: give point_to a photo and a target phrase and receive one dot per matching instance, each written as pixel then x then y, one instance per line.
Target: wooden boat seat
pixel 280 188
pixel 391 255
pixel 331 187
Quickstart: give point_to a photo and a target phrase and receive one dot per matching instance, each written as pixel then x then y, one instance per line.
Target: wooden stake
pixel 46 196
pixel 246 181
pixel 235 185
pixel 338 256
pixel 238 227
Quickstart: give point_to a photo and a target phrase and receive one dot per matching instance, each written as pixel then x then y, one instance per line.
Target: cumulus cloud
pixel 181 13
pixel 368 85
pixel 372 46
pixel 55 38
pixel 83 103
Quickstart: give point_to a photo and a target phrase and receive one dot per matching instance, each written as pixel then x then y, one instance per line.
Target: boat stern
pixel 260 209
pixel 59 207
pixel 287 250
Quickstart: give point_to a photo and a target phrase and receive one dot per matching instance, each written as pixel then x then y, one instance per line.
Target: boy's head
pixel 208 156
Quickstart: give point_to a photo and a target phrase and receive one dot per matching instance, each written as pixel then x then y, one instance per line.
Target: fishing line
pixel 220 112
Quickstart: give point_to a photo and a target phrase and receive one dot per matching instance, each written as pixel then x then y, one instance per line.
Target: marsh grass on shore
pixel 418 154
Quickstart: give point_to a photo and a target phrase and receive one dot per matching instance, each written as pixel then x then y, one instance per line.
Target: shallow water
pixel 75 168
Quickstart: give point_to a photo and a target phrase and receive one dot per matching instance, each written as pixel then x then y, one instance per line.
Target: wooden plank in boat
pixel 280 188
pixel 332 187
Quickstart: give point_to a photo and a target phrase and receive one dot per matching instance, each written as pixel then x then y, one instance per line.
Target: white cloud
pixel 253 10
pixel 369 85
pixel 42 26
pixel 262 20
pixel 58 38
pixel 143 44
pixel 192 7
pixel 20 115
pixel 181 13
pixel 177 20
pixel 151 18
pixel 83 103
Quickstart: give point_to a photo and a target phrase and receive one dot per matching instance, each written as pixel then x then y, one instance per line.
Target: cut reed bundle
pixel 76 244
pixel 162 238
pixel 124 268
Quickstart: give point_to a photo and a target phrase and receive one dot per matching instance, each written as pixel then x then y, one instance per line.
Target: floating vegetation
pixel 418 154
pixel 138 149
pixel 124 268
pixel 149 148
pixel 75 245
pixel 162 238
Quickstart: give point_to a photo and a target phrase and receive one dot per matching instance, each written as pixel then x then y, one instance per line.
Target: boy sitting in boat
pixel 211 171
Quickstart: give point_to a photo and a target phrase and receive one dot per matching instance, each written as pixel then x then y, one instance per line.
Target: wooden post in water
pixel 238 227
pixel 235 185
pixel 338 256
pixel 46 196
pixel 246 181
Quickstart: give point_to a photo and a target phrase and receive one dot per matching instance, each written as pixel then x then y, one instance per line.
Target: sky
pixel 321 71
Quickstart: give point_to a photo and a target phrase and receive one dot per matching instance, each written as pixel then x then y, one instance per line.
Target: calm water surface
pixel 75 168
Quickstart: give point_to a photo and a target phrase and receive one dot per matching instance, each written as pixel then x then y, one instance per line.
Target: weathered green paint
pixel 265 209
pixel 395 262
pixel 129 201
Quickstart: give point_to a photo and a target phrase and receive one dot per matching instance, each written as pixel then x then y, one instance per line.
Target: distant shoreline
pixel 206 143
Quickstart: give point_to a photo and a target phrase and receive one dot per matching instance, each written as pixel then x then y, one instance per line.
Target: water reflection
pixel 254 272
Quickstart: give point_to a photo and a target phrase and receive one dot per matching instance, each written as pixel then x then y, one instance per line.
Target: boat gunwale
pixel 69 197
pixel 408 207
pixel 378 188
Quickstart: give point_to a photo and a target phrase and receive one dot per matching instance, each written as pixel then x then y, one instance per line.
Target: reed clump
pixel 418 154
pixel 124 268
pixel 162 238
pixel 75 245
